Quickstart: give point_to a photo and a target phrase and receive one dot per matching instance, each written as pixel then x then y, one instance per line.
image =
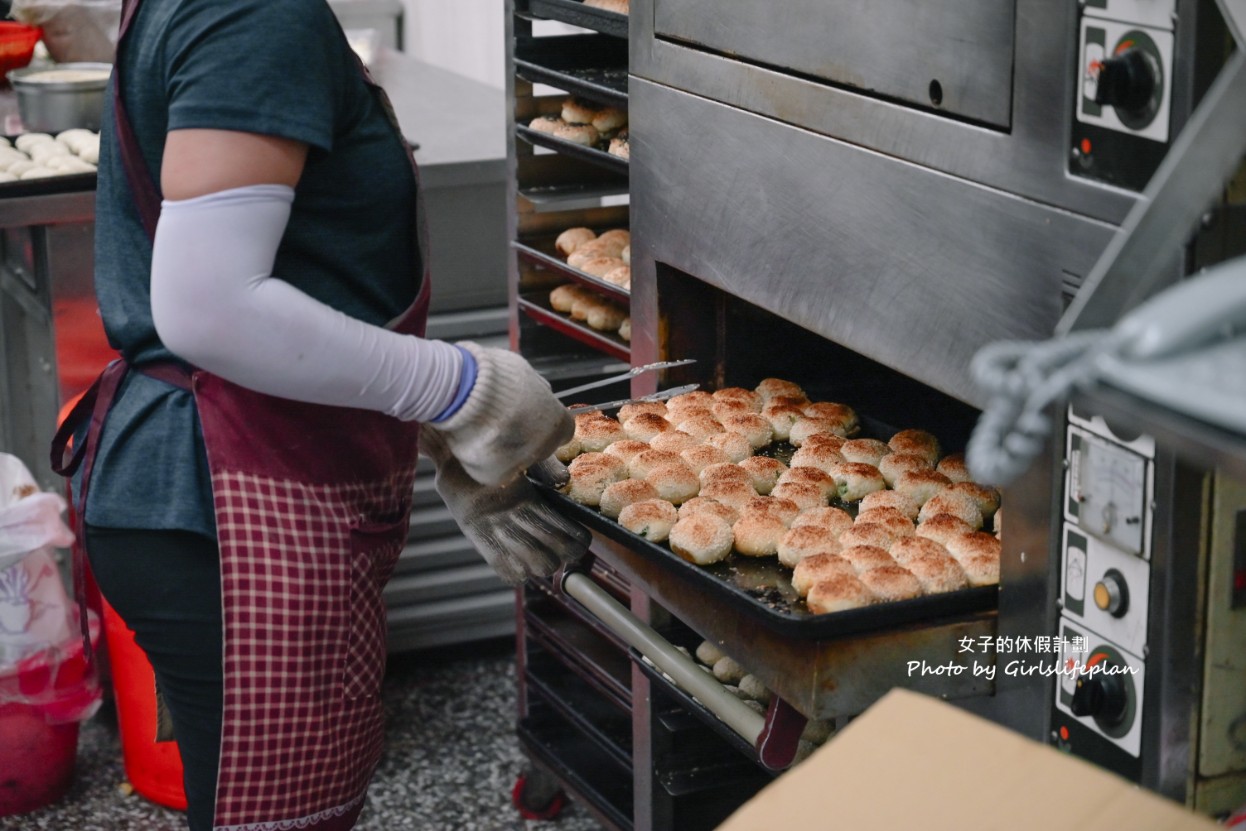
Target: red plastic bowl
pixel 17 44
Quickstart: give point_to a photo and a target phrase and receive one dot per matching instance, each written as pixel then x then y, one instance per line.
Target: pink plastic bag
pixel 41 657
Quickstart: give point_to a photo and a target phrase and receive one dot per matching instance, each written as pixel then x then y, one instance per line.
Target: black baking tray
pixel 592 155
pixel 48 185
pixel 589 66
pixel 578 14
pixel 761 588
pixel 551 263
pixel 536 306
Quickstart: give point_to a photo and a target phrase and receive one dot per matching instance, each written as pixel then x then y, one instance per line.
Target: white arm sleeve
pixel 216 305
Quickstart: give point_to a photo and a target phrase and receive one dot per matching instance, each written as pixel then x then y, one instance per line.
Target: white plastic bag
pixel 29 519
pixel 74 30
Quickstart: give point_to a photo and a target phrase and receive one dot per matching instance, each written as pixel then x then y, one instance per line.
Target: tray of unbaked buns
pixel 605 16
pixel 36 164
pixel 798 512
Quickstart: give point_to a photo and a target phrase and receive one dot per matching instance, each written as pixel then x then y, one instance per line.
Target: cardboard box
pixel 911 761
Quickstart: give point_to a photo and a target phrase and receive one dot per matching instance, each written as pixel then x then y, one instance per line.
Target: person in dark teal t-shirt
pixel 249 488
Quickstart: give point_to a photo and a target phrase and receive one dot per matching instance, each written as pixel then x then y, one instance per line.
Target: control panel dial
pixel 1101 697
pixel 1127 81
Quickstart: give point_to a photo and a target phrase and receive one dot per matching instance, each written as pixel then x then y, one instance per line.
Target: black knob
pixel 1126 81
pixel 1101 697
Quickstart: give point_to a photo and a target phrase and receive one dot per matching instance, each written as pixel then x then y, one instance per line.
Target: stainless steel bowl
pixel 61 96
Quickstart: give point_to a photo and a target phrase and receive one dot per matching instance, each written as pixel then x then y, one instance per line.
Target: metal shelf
pixel 577 14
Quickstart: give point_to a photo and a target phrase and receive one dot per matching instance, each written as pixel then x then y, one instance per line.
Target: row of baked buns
pixel 878 520
pixel 586 306
pixel 588 124
pixel 617 6
pixel 607 257
pixel 744 685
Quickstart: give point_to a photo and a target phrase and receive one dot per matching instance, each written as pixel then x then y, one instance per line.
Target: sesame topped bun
pixel 894 464
pixel 628 411
pixel 747 397
pixel 953 467
pixel 920 485
pixel 890 518
pixel 620 494
pixel 626 449
pixel 918 442
pixel 758 534
pixel 890 499
pixel 573 238
pixel 769 388
pixel 868 533
pixel 736 446
pixel 709 505
pixel 942 527
pixel 702 456
pixel 805 494
pixel 765 471
pixel 820 479
pixel 869 451
pixel 855 479
pixel 838 594
pixel 837 520
pixel 805 540
pixel 673 440
pixel 644 426
pixel 957 503
pixel 817 567
pixel 649 518
pixel 891 583
pixel 866 557
pixel 701 538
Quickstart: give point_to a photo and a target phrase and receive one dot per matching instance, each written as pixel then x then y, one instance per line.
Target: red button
pixel 1085 147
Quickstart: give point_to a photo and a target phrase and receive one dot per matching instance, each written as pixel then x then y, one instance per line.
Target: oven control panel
pixel 1105 588
pixel 1124 90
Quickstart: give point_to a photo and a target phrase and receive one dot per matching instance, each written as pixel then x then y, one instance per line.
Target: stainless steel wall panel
pixel 952 56
pixel 913 268
pixel 1029 158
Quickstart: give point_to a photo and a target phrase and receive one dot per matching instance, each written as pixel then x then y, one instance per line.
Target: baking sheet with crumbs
pixel 762 587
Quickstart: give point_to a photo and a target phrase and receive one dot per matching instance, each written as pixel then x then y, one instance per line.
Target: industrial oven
pixel 859 197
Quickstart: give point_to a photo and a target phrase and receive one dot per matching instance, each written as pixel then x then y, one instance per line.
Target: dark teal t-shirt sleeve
pixel 272 67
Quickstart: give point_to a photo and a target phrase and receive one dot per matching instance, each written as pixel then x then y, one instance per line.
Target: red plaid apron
pixel 312 508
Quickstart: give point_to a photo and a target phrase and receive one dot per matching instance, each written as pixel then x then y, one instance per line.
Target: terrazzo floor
pixel 450 762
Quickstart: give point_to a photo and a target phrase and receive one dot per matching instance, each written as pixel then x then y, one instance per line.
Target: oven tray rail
pixel 609 795
pixel 761 589
pixel 695 707
pixel 550 263
pixel 536 306
pixel 591 66
pixel 601 158
pixel 589 662
pixel 608 729
pixel 577 14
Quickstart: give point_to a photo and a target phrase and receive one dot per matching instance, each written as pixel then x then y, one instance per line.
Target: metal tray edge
pixel 923 610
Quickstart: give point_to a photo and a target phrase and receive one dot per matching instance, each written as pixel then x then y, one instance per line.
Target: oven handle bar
pixel 642 637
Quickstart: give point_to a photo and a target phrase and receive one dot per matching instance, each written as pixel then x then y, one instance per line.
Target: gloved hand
pixel 509 422
pixel 511 525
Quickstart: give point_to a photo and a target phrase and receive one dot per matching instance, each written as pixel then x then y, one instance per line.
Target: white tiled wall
pixel 463 36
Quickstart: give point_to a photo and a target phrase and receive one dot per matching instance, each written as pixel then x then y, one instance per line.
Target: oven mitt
pixel 509 422
pixel 511 525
